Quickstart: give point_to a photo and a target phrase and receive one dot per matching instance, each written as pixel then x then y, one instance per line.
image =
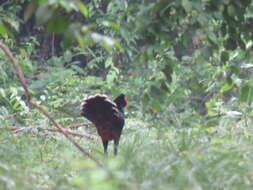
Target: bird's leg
pixel 105 144
pixel 116 143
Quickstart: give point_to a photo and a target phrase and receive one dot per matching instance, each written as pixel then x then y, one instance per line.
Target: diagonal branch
pixel 23 82
pixel 17 129
pixel 18 70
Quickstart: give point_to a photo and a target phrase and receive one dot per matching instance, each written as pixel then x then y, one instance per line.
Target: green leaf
pixel 109 62
pixel 2 92
pixel 235 69
pixel 5 31
pixel 195 85
pixel 212 37
pixel 187 5
pixel 175 95
pixel 246 93
pixel 164 86
pixel 113 25
pixel 226 87
pixel 30 9
pixel 156 105
pixel 202 19
pixel 231 11
pixel 84 10
pixel 43 14
pixel 80 41
pixel 241 44
pixel 58 23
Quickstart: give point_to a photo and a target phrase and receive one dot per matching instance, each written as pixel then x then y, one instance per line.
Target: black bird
pixel 107 116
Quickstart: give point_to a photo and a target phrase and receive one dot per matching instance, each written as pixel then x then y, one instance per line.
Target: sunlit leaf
pixel 5 31
pixel 84 10
pixel 226 87
pixel 111 24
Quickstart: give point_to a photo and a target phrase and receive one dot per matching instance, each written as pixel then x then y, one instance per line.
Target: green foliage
pixel 192 157
pixel 186 67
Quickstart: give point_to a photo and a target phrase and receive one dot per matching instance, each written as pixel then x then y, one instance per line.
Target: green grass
pixel 149 158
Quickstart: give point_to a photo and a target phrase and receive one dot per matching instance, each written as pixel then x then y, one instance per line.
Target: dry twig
pixel 17 129
pixel 23 82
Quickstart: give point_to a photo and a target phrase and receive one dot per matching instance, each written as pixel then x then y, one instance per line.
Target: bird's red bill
pixel 126 100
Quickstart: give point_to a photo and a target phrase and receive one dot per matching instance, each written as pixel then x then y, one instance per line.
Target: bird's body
pixel 107 116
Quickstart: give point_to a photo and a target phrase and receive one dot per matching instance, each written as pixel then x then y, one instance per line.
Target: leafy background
pixel 186 67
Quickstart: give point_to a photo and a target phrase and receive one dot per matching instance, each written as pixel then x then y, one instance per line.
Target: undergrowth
pixel 166 149
pixel 150 158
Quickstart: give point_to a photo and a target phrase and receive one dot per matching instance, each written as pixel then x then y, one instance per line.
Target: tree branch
pixel 23 82
pixel 17 129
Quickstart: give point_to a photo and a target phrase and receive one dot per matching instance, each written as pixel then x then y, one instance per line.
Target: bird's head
pixel 121 101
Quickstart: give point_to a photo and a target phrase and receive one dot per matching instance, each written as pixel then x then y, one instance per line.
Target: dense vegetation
pixel 186 67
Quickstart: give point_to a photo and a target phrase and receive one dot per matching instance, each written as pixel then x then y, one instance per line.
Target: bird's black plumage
pixel 107 116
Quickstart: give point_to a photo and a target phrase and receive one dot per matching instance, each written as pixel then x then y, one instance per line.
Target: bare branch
pixel 75 133
pixel 17 129
pixel 23 82
pixel 18 70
